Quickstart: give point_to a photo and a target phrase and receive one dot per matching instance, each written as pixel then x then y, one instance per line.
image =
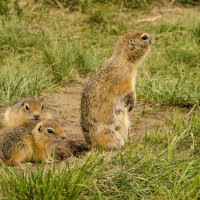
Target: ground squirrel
pixel 27 112
pixel 22 145
pixel 109 95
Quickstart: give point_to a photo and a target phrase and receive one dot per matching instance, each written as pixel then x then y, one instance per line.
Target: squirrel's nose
pixel 63 136
pixel 151 40
pixel 36 117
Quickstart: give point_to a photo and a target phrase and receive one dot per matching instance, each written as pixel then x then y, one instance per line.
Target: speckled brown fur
pixel 104 117
pixel 18 115
pixel 22 145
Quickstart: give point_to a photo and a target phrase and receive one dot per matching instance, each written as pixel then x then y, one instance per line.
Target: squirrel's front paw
pixel 120 143
pixel 129 101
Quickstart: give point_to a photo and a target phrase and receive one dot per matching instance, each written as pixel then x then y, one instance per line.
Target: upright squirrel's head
pixel 48 130
pixel 33 108
pixel 134 46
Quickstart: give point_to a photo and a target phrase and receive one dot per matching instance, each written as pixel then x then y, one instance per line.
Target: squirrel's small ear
pixel 22 103
pixel 131 42
pixel 39 128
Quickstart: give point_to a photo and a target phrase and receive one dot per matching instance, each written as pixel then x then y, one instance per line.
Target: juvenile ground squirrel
pixel 22 145
pixel 27 112
pixel 108 96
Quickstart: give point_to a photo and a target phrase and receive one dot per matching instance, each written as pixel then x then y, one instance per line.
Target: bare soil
pixel 65 105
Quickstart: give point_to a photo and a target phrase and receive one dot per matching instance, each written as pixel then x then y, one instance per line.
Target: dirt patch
pixel 65 102
pixel 146 119
pixel 65 105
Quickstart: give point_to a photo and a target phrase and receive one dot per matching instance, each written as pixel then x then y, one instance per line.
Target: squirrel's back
pixel 92 90
pixel 13 141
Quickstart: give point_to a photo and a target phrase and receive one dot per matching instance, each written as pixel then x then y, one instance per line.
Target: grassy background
pixel 48 43
pixel 45 44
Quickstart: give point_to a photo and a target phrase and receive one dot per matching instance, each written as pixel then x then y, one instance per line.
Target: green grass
pixel 76 43
pixel 177 52
pixel 66 59
pixel 45 45
pixel 164 166
pixel 22 81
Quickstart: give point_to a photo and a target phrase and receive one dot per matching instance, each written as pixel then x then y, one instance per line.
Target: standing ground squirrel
pixel 108 96
pixel 22 145
pixel 27 112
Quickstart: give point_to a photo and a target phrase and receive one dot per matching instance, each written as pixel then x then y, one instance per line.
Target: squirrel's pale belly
pixel 121 117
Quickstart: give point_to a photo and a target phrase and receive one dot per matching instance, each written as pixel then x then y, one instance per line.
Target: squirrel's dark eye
pixel 50 131
pixel 144 37
pixel 27 107
pixel 42 107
